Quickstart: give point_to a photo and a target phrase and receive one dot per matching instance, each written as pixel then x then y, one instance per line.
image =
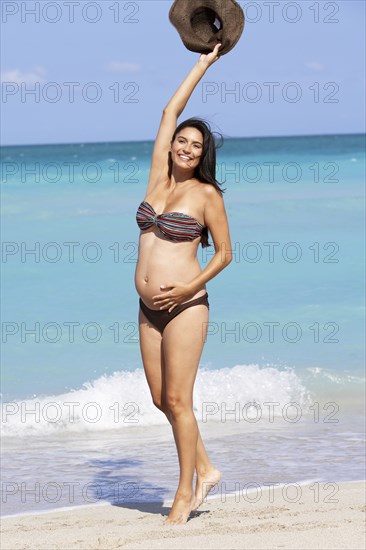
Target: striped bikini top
pixel 173 225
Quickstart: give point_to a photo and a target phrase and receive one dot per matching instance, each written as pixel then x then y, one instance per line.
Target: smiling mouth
pixel 184 157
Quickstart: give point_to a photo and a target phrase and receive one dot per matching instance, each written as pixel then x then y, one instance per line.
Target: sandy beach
pixel 307 516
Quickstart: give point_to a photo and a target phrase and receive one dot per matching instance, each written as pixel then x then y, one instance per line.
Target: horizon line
pixel 226 138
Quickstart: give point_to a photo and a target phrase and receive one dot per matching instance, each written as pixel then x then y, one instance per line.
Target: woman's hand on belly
pixel 172 295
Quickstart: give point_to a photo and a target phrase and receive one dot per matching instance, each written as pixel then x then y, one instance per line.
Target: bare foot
pixel 205 483
pixel 182 507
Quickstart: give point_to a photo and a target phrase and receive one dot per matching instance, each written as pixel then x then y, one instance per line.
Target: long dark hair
pixel 205 172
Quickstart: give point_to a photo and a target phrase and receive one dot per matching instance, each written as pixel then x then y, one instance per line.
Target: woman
pixel 183 200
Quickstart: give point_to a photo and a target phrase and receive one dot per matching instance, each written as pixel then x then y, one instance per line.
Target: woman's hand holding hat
pixel 210 58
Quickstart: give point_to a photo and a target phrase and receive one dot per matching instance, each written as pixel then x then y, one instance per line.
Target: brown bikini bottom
pixel 160 318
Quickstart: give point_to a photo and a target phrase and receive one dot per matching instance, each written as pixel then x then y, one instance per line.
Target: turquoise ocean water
pixel 286 326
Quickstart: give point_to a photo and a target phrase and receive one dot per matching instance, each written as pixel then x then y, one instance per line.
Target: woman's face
pixel 187 147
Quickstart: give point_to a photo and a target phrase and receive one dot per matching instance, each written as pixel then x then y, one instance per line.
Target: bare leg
pixel 185 433
pixel 207 475
pixel 183 342
pixel 154 366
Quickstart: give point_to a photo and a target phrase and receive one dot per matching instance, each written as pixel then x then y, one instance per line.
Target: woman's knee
pixel 177 405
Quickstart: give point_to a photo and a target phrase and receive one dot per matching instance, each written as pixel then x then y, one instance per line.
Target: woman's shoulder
pixel 207 191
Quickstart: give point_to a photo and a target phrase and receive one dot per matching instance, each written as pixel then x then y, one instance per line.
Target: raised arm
pixel 159 162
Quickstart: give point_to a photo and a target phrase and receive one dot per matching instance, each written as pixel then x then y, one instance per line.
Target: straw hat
pixel 203 23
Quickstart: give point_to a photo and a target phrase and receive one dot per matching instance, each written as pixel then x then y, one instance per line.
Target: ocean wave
pixel 123 400
pixel 340 379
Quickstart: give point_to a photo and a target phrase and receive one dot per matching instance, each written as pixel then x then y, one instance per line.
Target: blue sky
pixel 126 65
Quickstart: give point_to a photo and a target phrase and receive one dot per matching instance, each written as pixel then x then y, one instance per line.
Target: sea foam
pixel 123 399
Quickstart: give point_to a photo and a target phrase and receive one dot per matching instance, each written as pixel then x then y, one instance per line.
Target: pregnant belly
pixel 148 281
